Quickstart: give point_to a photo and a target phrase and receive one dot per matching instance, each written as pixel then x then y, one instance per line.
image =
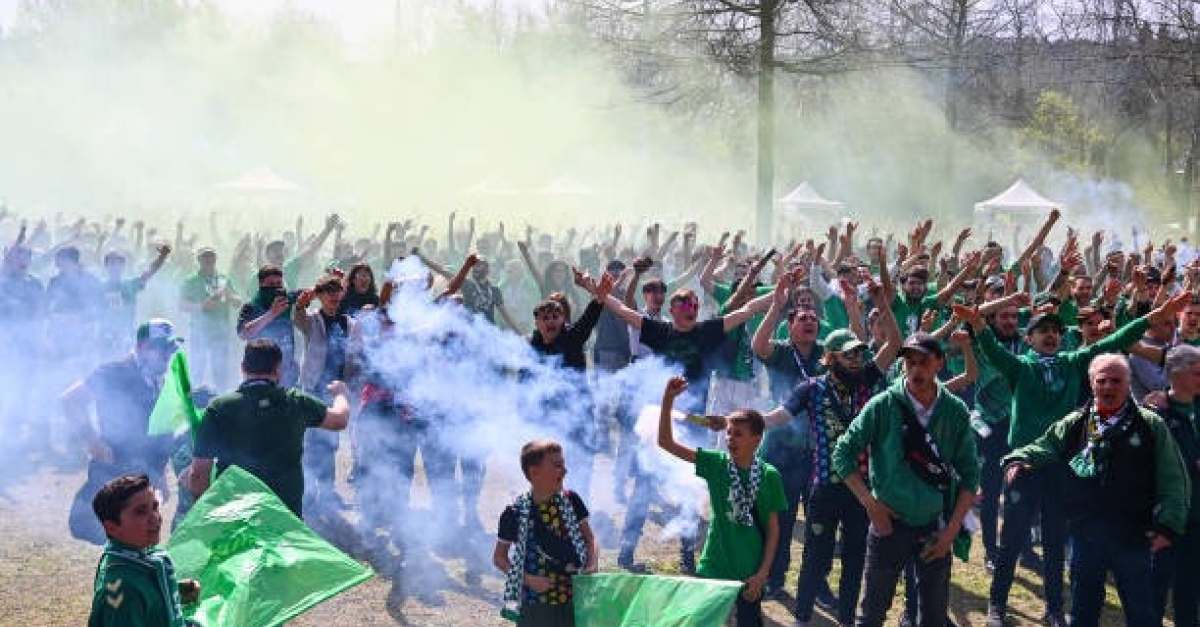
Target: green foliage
pixel 1061 129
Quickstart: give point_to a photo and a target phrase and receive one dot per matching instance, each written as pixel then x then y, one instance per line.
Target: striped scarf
pixel 513 583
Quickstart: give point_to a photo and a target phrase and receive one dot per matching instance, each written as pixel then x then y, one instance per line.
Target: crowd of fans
pixel 808 334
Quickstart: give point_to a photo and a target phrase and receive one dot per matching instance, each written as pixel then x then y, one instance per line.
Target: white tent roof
pixel 805 197
pixel 259 180
pixel 1019 198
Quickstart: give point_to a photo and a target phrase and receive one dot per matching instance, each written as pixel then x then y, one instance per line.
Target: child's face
pixel 550 473
pixel 141 523
pixel 741 440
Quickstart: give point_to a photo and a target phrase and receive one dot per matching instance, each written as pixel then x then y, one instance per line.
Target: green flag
pixel 624 600
pixel 257 563
pixel 174 408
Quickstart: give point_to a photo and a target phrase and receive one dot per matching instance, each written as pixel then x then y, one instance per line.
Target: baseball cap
pixel 923 343
pixel 1044 319
pixel 1046 297
pixel 158 331
pixel 205 251
pixel 995 282
pixel 841 341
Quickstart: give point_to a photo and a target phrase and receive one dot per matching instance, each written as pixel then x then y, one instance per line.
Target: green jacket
pixel 1167 501
pixel 135 588
pixel 878 427
pixel 1044 392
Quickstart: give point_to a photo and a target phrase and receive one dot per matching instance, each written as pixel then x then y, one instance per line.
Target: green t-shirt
pixel 908 316
pixel 733 551
pixel 208 322
pixel 260 427
pixel 740 364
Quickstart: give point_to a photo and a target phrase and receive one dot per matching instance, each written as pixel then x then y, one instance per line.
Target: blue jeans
pixel 886 558
pixel 991 484
pixel 1096 551
pixel 832 505
pixel 1031 492
pixel 1177 572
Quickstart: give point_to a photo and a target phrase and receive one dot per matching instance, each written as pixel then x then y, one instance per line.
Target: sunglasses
pixel 686 305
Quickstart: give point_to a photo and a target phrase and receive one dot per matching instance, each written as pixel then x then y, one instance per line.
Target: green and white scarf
pixel 742 497
pixel 513 583
pixel 1092 460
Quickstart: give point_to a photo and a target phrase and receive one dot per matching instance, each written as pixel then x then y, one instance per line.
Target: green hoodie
pixel 1172 487
pixel 1046 390
pixel 878 427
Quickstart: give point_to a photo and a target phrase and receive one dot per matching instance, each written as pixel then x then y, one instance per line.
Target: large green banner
pixel 257 563
pixel 625 600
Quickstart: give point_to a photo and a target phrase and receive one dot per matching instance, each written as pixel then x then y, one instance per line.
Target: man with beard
pixel 826 404
pixel 123 393
pixel 1113 447
pixel 1046 383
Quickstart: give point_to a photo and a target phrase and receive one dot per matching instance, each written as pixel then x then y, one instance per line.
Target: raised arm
pixel 666 430
pixel 969 269
pixel 626 315
pixel 746 288
pixel 310 250
pixel 1040 238
pixel 761 342
pixel 460 277
pixel 740 316
pixel 962 382
pixel 533 271
pixel 892 339
pixel 708 274
pixel 164 250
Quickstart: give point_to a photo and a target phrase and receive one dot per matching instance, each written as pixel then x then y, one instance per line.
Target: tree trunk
pixel 765 179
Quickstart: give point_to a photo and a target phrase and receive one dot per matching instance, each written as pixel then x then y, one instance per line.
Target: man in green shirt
pixel 260 427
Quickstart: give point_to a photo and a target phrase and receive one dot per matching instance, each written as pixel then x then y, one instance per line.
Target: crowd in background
pixel 593 303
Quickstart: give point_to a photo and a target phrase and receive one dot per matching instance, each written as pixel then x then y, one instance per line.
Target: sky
pixel 356 19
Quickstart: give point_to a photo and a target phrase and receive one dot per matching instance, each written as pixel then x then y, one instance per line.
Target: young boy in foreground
pixel 746 496
pixel 135 582
pixel 548 527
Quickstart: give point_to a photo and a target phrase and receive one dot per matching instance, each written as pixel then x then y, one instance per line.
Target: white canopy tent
pixel 804 198
pixel 1019 200
pixel 804 211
